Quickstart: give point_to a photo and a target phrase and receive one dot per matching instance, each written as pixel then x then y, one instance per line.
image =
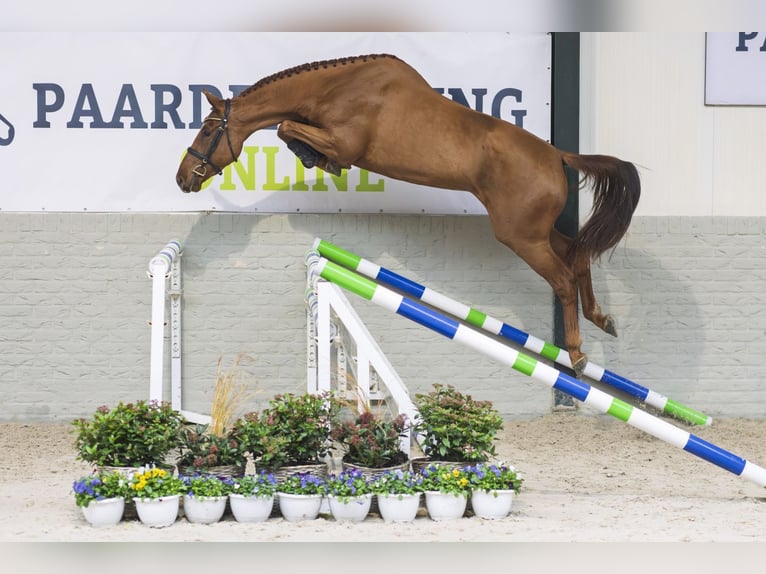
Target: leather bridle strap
pixel 205 158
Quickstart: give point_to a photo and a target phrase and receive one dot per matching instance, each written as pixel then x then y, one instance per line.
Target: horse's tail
pixel 616 190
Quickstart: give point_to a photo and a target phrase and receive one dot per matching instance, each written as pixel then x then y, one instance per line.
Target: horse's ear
pixel 214 100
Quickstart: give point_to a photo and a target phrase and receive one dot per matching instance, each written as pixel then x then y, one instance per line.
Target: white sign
pixel 100 121
pixel 735 68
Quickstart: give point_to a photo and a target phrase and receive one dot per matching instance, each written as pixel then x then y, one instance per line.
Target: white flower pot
pixel 492 504
pixel 158 512
pixel 107 512
pixel 445 505
pixel 353 510
pixel 251 508
pixel 398 507
pixel 295 507
pixel 204 509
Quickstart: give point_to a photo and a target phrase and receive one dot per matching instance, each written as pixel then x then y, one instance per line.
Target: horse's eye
pixel 206 133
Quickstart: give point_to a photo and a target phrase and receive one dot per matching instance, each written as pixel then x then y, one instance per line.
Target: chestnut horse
pixel 376 112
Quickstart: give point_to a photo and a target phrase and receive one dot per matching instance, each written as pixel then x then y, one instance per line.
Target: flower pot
pixel 398 507
pixel 251 508
pixel 445 505
pixel 354 509
pixel 492 504
pixel 107 512
pixel 204 509
pixel 158 512
pixel 280 473
pixel 296 507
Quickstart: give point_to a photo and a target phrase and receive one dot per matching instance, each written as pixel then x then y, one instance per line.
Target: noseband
pixel 201 169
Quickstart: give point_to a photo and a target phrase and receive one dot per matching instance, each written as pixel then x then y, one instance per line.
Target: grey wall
pixel 687 294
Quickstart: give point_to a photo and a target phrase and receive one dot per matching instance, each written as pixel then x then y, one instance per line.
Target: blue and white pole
pixel 541 372
pixel 497 327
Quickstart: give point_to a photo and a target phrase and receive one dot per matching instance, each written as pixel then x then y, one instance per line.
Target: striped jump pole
pixel 580 390
pixel 497 327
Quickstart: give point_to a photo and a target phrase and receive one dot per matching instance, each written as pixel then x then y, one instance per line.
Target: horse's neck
pixel 272 103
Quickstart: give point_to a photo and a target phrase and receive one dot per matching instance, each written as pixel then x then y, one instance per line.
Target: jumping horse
pixel 378 113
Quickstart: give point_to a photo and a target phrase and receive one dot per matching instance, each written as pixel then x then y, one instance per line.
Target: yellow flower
pixel 463 481
pixel 455 472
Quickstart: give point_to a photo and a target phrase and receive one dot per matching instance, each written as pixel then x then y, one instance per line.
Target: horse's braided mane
pixel 323 64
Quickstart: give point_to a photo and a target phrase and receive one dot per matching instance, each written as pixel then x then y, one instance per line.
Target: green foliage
pixel 456 427
pixel 132 434
pixel 155 483
pixel 370 441
pixel 292 430
pixel 398 482
pixel 200 449
pixel 99 486
pixel 348 484
pixel 302 483
pixel 206 485
pixel 261 484
pixel 485 476
pixel 446 479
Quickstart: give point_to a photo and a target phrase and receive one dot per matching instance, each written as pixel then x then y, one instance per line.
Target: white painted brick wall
pixel 687 294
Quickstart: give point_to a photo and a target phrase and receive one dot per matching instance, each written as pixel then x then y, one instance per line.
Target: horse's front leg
pixel 313 146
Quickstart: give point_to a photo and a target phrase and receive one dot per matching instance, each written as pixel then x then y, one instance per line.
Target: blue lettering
pixel 497 102
pixel 171 108
pixel 43 106
pixel 197 99
pixel 86 106
pixel 458 95
pixel 743 38
pixel 127 96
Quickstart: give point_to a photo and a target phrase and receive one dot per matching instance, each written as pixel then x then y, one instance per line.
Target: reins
pixel 201 169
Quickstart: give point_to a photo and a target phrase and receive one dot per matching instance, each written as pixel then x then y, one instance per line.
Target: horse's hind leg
pixel 591 310
pixel 541 257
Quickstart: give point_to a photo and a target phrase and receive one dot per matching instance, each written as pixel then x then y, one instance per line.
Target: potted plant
pixel 370 442
pixel 128 436
pixel 205 497
pixel 350 495
pixel 292 431
pixel 300 496
pixel 493 487
pixel 252 497
pixel 205 452
pixel 454 427
pixel 447 489
pixel 101 497
pixel 398 494
pixel 156 493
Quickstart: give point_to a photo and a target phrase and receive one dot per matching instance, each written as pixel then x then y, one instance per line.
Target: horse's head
pixel 216 146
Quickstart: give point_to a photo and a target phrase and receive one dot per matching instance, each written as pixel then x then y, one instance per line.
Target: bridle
pixel 201 169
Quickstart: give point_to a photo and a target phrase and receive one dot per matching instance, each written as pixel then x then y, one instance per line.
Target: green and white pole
pixel 497 327
pixel 478 341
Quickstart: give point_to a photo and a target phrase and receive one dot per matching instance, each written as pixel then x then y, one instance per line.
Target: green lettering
pixel 300 177
pixel 246 174
pixel 271 184
pixel 364 182
pixel 340 181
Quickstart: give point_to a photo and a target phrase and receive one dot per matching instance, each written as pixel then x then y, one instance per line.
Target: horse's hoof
pixel 307 154
pixel 330 166
pixel 609 326
pixel 579 366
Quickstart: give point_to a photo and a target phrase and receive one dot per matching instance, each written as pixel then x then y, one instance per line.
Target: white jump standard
pixel 541 372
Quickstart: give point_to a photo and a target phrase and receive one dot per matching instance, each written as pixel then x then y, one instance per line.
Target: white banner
pixel 99 121
pixel 735 68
